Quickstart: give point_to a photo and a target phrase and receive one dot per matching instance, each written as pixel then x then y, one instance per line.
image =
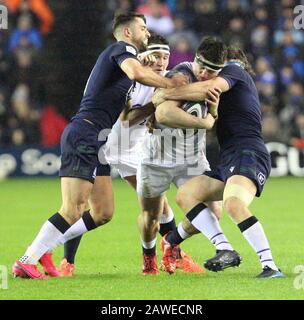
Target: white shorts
pixel 125 170
pixel 154 181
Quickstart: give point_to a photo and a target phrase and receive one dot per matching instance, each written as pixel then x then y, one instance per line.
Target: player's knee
pixel 106 217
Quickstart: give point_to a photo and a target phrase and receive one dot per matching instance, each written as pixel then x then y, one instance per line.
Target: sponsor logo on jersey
pixel 231 168
pixel 261 178
pixel 94 173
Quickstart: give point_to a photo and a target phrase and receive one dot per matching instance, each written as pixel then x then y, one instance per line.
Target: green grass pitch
pixel 108 264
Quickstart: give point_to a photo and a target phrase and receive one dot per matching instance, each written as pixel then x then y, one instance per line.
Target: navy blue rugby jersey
pixel 239 121
pixel 108 87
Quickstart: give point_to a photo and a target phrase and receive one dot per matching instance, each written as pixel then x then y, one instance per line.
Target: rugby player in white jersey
pixel 176 155
pixel 125 140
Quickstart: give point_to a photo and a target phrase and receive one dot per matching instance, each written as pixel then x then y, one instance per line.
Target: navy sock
pixel 164 228
pixel 71 246
pixel 174 238
pixel 88 221
pixel 70 249
pixel 246 224
pixel 194 212
pixel 149 252
pixel 59 222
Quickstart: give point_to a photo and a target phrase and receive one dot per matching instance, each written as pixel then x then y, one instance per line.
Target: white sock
pixel 77 229
pixel 207 223
pixel 148 245
pixel 181 231
pixel 256 237
pixel 47 236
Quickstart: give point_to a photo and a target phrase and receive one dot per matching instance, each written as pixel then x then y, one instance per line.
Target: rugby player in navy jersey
pixel 243 169
pixel 84 179
pixel 125 156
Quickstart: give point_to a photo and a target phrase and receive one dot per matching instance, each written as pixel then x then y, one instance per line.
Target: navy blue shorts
pixel 103 170
pixel 79 152
pixel 249 163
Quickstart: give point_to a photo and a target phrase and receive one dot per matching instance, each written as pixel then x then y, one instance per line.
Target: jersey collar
pixel 236 63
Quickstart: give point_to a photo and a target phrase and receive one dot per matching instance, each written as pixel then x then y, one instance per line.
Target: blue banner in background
pixel 36 161
pixel 29 161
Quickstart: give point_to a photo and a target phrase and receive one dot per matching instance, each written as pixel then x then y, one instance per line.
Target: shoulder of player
pixel 124 47
pixel 232 69
pixel 186 65
pixel 234 73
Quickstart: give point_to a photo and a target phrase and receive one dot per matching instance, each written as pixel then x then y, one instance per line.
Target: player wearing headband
pixel 242 171
pixel 121 149
pixel 123 144
pixel 176 155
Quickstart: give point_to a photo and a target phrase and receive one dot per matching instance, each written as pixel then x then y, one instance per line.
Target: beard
pixel 143 45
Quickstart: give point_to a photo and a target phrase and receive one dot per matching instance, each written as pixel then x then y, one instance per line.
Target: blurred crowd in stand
pixel 25 115
pixel 263 28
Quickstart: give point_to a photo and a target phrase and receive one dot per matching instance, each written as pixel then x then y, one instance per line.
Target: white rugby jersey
pixel 123 141
pixel 170 147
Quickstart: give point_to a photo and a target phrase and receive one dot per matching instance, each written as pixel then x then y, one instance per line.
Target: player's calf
pixel 101 212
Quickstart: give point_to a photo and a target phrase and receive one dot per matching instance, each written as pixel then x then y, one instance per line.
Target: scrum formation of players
pixel 159 120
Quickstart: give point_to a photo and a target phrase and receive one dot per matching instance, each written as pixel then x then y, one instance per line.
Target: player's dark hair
pixel 213 49
pixel 157 39
pixel 236 53
pixel 125 18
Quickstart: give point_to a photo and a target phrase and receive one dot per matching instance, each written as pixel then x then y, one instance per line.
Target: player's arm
pixel 197 91
pixel 170 114
pixel 135 115
pixel 136 71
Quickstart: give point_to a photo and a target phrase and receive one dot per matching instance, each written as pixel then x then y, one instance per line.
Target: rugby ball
pixel 197 109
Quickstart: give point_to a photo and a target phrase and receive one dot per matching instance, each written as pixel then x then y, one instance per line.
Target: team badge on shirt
pixel 131 50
